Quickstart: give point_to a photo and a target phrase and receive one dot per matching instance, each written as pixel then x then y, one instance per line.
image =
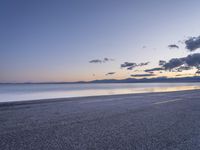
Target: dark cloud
pixel 101 60
pixel 193 60
pixel 110 73
pixel 197 72
pixel 106 59
pixel 95 61
pixel 131 65
pixel 128 64
pixel 173 46
pixel 193 43
pixel 162 62
pixel 151 72
pixel 182 68
pixel 131 68
pixel 154 69
pixel 178 64
pixel 142 75
pixel 184 63
pixel 173 63
pixel 143 64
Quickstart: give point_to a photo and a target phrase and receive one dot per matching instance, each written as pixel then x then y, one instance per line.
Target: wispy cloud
pixel 143 64
pixel 132 65
pixel 128 64
pixel 110 73
pixel 154 69
pixel 104 60
pixel 142 75
pixel 95 61
pixel 107 59
pixel 173 46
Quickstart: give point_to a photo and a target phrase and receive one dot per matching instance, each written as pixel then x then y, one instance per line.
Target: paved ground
pixel 157 121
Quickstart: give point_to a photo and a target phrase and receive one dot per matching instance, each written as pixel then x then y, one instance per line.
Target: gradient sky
pixel 54 40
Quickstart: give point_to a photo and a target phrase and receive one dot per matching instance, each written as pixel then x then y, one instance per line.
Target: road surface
pixel 155 121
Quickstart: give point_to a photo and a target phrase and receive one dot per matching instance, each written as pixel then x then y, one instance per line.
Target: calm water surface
pixel 20 92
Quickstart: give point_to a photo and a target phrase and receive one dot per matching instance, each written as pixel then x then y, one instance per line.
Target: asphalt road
pixel 156 121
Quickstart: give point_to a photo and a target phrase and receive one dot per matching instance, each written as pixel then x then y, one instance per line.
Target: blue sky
pixel 54 40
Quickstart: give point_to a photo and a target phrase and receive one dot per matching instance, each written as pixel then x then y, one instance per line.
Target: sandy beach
pixel 151 121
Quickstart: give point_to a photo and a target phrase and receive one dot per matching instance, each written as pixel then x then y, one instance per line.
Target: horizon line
pixel 137 80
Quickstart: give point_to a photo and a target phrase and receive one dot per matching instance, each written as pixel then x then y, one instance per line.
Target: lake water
pixel 21 92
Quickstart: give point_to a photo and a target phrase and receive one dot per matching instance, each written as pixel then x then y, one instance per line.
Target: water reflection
pixel 33 92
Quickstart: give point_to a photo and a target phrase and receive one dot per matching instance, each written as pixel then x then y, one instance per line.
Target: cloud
pixel 173 63
pixel 128 64
pixel 192 43
pixel 131 68
pixel 131 65
pixel 154 69
pixel 193 60
pixel 173 46
pixel 183 63
pixel 107 59
pixel 143 64
pixel 197 72
pixel 178 64
pixel 104 60
pixel 142 75
pixel 95 61
pixel 182 68
pixel 110 73
pixel 162 62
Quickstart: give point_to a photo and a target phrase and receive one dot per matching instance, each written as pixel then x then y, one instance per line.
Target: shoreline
pixel 81 98
pixel 21 93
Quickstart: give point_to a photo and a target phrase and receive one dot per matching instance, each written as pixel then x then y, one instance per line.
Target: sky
pixel 75 40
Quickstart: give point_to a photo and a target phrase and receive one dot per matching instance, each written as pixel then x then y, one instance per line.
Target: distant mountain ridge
pixel 127 80
pixel 151 80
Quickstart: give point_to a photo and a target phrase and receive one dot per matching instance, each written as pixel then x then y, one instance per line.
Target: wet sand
pixel 150 121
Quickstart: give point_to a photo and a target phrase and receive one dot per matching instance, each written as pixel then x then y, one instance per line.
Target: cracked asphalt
pixel 151 121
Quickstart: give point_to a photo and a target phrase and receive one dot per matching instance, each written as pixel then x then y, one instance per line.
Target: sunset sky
pixel 63 40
